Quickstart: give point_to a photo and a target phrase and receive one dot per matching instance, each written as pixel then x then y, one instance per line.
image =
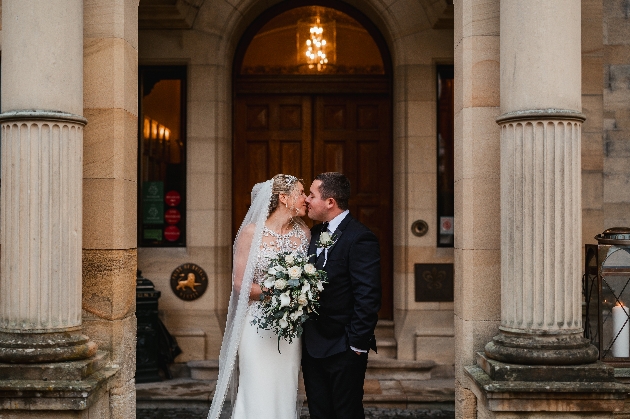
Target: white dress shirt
pixel 332 227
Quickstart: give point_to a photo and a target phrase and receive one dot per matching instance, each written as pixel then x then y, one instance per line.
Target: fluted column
pixel 541 204
pixel 42 171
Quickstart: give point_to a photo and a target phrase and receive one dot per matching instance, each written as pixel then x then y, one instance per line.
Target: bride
pixel 264 375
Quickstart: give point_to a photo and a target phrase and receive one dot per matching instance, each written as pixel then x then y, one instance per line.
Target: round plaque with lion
pixel 189 281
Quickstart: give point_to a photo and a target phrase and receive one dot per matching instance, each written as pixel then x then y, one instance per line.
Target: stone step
pixel 383 393
pixel 384 329
pixel 387 348
pixel 427 394
pixel 395 369
pixel 204 370
pixel 54 371
pixel 378 368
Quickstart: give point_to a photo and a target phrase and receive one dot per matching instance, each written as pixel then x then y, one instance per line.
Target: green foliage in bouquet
pixel 290 294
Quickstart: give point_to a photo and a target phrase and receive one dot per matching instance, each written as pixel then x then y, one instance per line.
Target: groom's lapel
pixel 312 248
pixel 342 226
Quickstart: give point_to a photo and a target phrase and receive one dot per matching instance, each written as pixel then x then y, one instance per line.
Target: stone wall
pixel 593 207
pixel 109 190
pixel 477 188
pixel 616 113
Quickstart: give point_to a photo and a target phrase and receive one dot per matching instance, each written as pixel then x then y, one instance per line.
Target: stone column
pixel 42 148
pixel 541 212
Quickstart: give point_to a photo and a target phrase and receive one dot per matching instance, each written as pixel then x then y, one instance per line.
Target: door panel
pixel 272 134
pixel 307 135
pixel 352 135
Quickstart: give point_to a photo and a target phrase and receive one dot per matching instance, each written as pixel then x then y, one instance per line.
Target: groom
pixel 336 342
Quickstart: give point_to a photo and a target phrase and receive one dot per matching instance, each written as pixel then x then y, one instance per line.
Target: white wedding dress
pixel 268 379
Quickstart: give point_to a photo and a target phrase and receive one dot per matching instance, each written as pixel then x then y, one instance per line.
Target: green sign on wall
pixel 153 203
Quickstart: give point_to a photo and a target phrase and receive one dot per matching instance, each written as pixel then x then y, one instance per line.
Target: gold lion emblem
pixel 189 282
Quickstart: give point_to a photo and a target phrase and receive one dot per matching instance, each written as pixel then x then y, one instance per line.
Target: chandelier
pixel 316 44
pixel 316 48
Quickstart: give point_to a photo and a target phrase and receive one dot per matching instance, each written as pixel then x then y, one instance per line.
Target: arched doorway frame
pixel 316 86
pixel 399 24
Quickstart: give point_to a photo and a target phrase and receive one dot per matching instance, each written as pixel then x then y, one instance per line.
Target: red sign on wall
pixel 172 216
pixel 173 198
pixel 171 233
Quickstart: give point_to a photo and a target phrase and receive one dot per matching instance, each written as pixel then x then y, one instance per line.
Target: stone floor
pixel 386 397
pixel 370 413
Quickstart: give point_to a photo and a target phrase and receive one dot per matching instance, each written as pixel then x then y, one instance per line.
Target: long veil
pixel 239 299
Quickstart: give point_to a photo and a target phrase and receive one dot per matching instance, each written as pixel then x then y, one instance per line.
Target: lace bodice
pixel 295 241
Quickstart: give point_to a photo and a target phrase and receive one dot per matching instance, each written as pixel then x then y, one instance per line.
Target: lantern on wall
pixel 606 285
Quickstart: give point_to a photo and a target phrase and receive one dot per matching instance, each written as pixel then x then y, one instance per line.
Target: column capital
pixel 541 115
pixel 42 115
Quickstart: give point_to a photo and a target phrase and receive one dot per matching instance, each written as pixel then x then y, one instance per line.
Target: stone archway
pixel 412 32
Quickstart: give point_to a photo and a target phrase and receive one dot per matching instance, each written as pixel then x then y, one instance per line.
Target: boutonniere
pixel 326 241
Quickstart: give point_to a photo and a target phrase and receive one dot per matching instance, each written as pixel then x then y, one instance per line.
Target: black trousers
pixel 334 385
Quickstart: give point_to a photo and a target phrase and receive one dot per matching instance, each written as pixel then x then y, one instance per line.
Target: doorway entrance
pixel 300 121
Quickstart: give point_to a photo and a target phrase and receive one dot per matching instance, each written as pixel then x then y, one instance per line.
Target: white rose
pixel 309 269
pixel 320 286
pixel 280 284
pixel 285 299
pixel 306 288
pixel 271 271
pixel 295 272
pixel 269 282
pixel 289 259
pixel 324 238
pixel 279 268
pixel 296 314
pixel 302 300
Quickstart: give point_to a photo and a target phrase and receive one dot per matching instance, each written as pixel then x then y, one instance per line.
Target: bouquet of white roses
pixel 290 292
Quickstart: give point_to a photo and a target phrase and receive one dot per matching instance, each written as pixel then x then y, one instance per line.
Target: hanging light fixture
pixel 316 47
pixel 316 43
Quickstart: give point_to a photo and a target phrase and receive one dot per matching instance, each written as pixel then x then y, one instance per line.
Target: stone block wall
pixel 593 108
pixel 477 188
pixel 110 190
pixel 616 113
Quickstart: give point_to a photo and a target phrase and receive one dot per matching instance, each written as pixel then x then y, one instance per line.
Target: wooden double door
pixel 304 135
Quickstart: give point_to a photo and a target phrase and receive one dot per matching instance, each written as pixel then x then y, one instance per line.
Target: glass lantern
pixel 606 286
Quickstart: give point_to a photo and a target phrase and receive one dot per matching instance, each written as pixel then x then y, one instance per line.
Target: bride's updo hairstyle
pixel 282 184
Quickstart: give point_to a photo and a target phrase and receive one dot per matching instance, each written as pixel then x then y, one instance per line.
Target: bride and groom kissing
pixel 260 370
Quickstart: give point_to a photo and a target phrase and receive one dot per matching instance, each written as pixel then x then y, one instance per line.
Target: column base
pixel 541 349
pixel 28 348
pixel 503 387
pixel 59 389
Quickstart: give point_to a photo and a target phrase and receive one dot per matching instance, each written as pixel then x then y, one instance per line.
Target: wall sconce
pixel 146 129
pixel 154 130
pixel 606 286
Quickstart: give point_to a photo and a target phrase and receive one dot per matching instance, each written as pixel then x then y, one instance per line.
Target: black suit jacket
pixel 351 299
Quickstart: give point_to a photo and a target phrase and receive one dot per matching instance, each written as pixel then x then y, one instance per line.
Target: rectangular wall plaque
pixel 434 282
